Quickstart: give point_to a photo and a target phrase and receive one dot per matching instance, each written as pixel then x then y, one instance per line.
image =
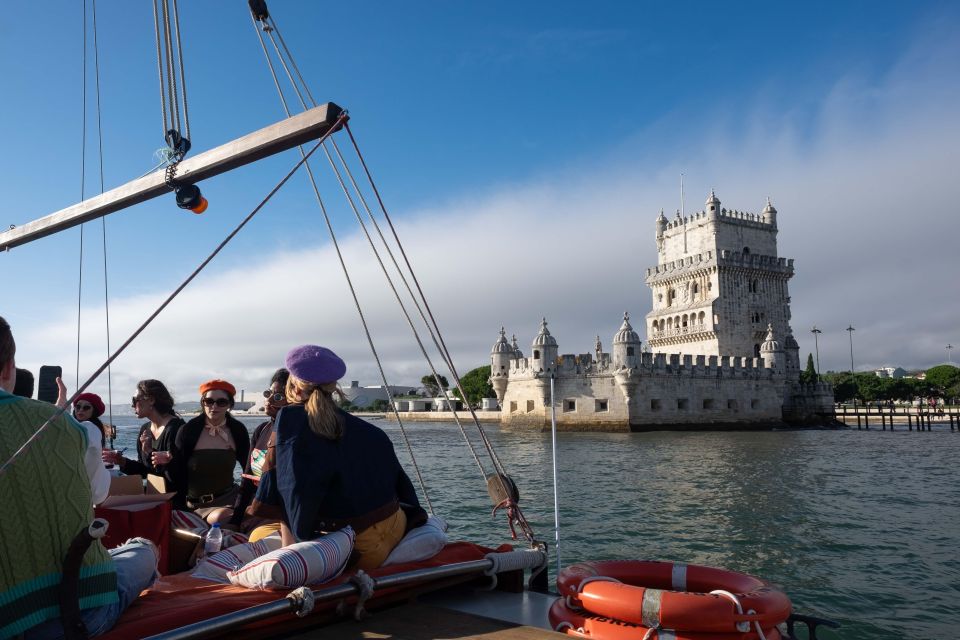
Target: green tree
pixel 809 374
pixel 476 384
pixel 943 377
pixel 379 405
pixel 430 383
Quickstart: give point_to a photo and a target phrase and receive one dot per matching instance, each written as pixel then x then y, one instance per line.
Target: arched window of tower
pixel 536 354
pixel 746 251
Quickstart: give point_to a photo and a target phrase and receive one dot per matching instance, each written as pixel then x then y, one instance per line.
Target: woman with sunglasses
pixel 88 407
pixel 206 452
pixel 154 403
pixel 235 517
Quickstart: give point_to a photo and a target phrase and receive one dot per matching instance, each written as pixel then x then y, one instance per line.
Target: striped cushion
pixel 299 564
pixel 216 566
pixel 421 543
pixel 188 521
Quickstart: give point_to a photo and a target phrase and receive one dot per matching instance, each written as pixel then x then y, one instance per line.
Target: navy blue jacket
pixel 317 484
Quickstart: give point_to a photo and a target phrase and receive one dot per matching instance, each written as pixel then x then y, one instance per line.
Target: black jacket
pixel 184 445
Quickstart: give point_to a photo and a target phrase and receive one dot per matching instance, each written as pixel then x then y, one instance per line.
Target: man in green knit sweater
pixel 46 499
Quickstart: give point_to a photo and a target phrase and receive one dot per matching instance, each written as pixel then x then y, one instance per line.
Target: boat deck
pixel 425 622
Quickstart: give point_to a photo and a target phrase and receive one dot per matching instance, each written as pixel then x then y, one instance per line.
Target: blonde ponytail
pixel 322 414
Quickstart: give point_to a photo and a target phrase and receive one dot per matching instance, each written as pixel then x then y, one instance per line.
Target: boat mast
pixel 284 135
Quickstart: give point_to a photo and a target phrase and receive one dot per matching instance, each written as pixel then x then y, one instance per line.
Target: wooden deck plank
pixel 425 622
pixel 268 141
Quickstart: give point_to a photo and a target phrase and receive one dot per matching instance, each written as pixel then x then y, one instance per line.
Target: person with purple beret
pixel 328 469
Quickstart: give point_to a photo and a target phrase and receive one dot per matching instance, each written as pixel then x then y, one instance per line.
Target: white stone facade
pixel 720 303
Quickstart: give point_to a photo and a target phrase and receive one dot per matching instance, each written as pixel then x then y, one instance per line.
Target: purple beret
pixel 315 364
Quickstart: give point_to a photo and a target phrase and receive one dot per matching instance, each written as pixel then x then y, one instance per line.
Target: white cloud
pixel 867 200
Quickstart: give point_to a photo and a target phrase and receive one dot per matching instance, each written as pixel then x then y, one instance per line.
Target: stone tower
pixel 500 356
pixel 626 345
pixel 718 283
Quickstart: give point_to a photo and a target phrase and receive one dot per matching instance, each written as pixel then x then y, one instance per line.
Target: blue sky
pixel 525 150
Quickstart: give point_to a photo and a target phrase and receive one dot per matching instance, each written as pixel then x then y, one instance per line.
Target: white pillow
pixel 421 543
pixel 215 567
pixel 299 564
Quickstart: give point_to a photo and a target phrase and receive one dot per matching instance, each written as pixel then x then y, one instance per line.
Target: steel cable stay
pixel 349 281
pixel 163 305
pixel 83 165
pixel 505 492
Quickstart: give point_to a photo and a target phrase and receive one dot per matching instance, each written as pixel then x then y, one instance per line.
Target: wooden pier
pixel 913 418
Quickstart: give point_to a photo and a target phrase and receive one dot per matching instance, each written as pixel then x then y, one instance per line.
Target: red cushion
pixel 152 523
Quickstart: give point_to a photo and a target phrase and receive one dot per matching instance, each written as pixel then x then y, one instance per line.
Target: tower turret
pixel 661 228
pixel 712 206
pixel 543 355
pixel 772 353
pixel 500 356
pixel 791 352
pixel 770 213
pixel 516 348
pixel 626 345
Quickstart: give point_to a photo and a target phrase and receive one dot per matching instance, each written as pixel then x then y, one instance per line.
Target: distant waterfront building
pixel 721 350
pixel 890 372
pixel 365 396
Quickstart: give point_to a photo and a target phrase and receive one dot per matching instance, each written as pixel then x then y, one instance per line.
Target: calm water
pixel 857 526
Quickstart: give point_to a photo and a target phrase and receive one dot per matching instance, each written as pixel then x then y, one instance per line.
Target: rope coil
pixel 303 601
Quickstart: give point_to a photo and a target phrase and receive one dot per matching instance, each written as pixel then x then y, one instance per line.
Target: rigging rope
pixel 103 220
pixel 183 285
pixel 349 280
pixel 270 28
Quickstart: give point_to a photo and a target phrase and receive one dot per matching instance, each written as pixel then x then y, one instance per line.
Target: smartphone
pixel 47 390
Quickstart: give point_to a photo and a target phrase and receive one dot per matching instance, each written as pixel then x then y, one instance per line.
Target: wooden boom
pixel 268 141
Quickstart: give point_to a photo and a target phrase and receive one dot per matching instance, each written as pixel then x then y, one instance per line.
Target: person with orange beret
pixel 206 452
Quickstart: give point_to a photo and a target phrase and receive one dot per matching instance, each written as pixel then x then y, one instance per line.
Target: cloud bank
pixel 864 182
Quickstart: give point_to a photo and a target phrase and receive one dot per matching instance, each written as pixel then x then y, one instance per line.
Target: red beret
pixel 94 400
pixel 221 385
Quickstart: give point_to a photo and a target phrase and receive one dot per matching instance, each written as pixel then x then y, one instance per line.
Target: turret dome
pixel 789 342
pixel 516 349
pixel 769 344
pixel 544 339
pixel 712 200
pixel 769 208
pixel 501 345
pixel 626 334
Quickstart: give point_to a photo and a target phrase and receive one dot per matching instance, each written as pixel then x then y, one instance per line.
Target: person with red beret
pixel 88 407
pixel 328 469
pixel 206 452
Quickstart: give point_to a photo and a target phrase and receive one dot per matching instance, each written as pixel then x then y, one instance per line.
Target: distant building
pixel 890 372
pixel 721 350
pixel 365 396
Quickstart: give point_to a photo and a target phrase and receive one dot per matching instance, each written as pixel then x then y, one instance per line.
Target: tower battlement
pixel 726 257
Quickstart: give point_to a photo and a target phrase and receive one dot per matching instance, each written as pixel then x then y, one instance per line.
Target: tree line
pixel 942 381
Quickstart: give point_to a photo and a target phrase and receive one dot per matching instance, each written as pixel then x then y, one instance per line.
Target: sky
pixel 523 150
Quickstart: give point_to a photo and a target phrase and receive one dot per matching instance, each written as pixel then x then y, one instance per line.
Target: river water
pixel 857 526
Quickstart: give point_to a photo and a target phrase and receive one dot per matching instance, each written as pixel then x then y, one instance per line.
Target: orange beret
pixel 221 385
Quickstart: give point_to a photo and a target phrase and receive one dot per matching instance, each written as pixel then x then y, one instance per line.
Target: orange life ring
pixel 674 595
pixel 582 624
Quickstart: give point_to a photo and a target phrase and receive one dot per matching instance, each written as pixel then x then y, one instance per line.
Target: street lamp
pixel 816 345
pixel 850 330
pixel 949 355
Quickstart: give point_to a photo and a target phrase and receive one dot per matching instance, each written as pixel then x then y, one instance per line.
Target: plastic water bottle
pixel 213 541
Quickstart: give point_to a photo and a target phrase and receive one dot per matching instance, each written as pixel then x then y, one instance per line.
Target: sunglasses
pixel 273 397
pixel 83 407
pixel 136 399
pixel 220 402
